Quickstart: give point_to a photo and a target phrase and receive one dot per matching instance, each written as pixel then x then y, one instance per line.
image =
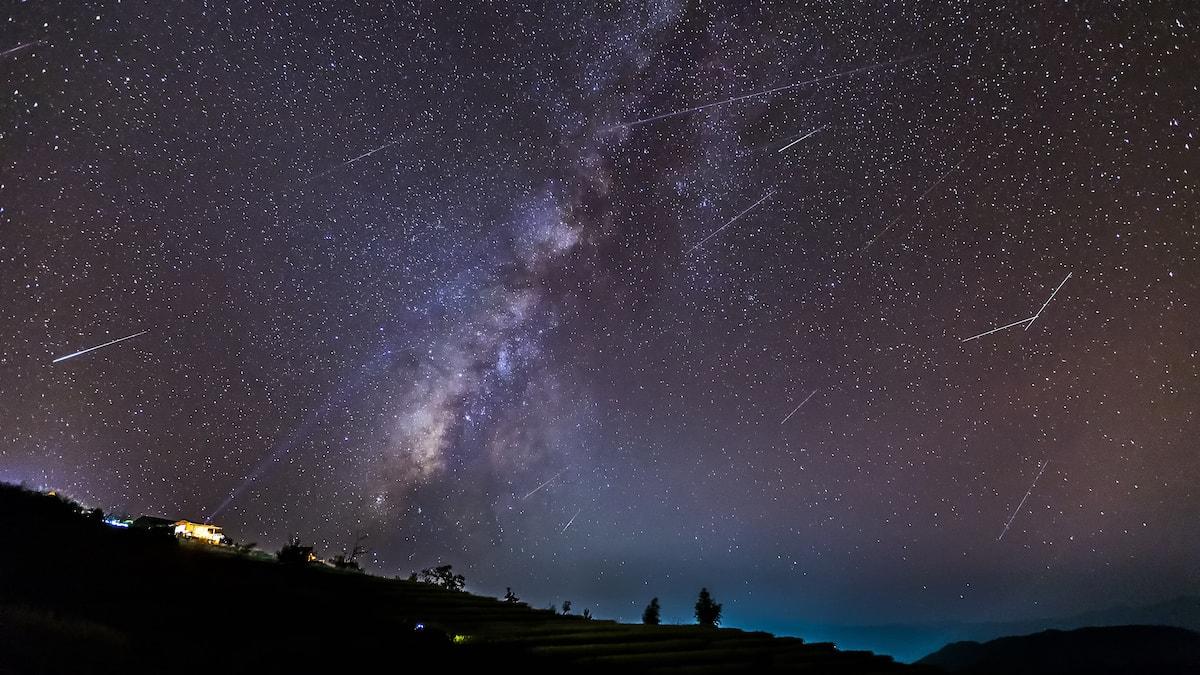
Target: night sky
pixel 456 279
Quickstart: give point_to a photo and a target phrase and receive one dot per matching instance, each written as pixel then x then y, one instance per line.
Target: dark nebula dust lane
pixel 607 301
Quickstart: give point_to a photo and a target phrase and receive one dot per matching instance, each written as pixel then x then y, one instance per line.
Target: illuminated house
pixel 186 529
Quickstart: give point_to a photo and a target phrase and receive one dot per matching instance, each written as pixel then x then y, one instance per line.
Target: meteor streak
pixel 915 202
pixel 106 344
pixel 1044 304
pixel 1027 492
pixel 18 48
pixel 551 480
pixel 1027 321
pixel 351 161
pixel 731 221
pixel 765 92
pixel 811 133
pixel 797 409
pixel 996 330
pixel 572 520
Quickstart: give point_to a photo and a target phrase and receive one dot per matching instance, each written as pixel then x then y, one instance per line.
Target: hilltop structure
pixel 186 529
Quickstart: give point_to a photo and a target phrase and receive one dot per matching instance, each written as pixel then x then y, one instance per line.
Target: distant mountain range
pixel 909 642
pixel 1108 650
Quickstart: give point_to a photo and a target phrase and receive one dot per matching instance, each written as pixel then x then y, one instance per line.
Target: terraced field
pixel 607 646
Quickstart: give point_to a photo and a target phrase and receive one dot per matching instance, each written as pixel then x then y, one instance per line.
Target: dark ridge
pixel 80 596
pixel 1147 650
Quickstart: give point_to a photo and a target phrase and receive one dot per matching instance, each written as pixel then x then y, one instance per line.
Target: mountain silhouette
pixel 1106 650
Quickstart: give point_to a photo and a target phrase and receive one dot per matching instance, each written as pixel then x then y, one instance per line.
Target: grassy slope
pixel 78 596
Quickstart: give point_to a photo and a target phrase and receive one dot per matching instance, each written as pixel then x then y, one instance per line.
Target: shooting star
pixel 996 330
pixel 914 203
pixel 348 162
pixel 282 447
pixel 797 409
pixel 765 92
pixel 551 480
pixel 805 136
pixel 571 520
pixel 1027 321
pixel 731 221
pixel 1027 493
pixel 1044 304
pixel 91 349
pixel 20 47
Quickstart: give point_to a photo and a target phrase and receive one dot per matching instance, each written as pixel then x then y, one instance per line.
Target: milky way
pixel 483 284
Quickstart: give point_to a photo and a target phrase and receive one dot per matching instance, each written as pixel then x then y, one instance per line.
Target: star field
pixel 588 300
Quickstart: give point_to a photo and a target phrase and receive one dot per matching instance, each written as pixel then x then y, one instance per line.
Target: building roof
pixel 152 521
pixel 185 521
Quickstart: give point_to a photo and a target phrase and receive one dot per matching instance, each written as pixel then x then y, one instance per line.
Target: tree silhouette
pixel 651 617
pixel 510 597
pixel 708 613
pixel 343 563
pixel 356 549
pixel 566 607
pixel 587 614
pixel 293 553
pixel 444 576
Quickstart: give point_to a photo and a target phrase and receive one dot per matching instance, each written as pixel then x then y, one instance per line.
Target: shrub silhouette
pixel 510 597
pixel 566 607
pixel 293 553
pixel 651 617
pixel 708 613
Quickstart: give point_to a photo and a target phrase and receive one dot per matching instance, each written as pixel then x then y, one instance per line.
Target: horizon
pixel 797 625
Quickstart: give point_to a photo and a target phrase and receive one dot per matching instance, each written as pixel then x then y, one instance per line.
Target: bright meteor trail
pixel 1027 493
pixel 106 344
pixel 551 480
pixel 571 521
pixel 1047 303
pixel 765 92
pixel 1027 321
pixel 805 136
pixel 355 159
pixel 797 408
pixel 18 48
pixel 731 221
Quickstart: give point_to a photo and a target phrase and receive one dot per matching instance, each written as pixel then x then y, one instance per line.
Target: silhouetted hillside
pixel 79 596
pixel 1146 650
